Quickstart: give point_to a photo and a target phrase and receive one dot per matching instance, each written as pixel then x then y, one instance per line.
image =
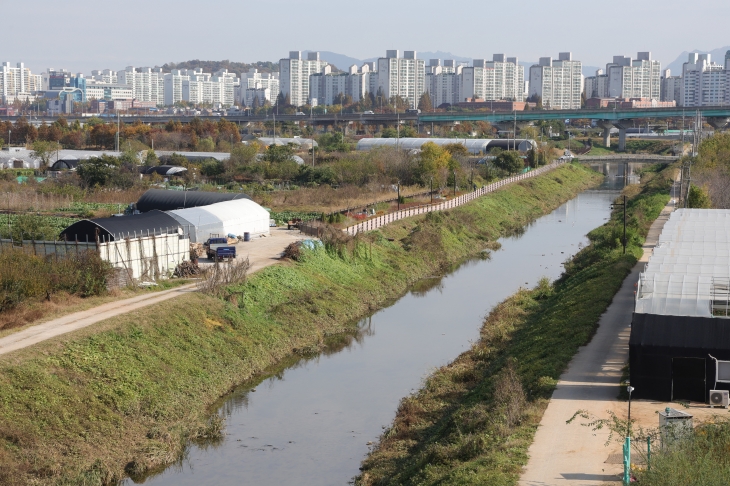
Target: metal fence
pixel 375 223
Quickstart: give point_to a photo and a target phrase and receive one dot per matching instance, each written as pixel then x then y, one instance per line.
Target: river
pixel 312 422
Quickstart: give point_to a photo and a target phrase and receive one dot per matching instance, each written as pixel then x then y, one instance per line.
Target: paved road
pixel 571 455
pixel 261 252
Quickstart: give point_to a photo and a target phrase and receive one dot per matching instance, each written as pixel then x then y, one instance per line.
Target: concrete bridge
pixel 621 158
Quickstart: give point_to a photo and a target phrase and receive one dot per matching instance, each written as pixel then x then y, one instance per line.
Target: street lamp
pixel 627 444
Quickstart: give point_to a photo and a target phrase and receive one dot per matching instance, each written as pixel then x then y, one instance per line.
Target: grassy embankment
pixel 474 419
pixel 126 395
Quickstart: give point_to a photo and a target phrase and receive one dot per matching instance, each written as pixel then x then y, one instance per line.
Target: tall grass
pixel 474 419
pixel 125 396
pixel 699 459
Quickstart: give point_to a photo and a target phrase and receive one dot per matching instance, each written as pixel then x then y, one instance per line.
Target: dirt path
pixel 261 252
pixel 572 455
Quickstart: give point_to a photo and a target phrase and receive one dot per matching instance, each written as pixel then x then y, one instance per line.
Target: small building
pixel 142 247
pixel 679 347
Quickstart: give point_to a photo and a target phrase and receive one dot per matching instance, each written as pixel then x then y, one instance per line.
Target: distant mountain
pixel 340 61
pixel 718 56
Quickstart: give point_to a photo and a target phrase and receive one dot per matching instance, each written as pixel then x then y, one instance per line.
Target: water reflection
pixel 310 420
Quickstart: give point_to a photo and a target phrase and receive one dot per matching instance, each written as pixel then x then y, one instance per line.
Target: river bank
pixel 127 395
pixel 475 418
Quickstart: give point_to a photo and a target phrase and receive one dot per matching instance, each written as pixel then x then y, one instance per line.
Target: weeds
pixel 474 419
pixel 135 389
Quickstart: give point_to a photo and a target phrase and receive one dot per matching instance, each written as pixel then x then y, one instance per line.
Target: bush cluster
pixel 25 276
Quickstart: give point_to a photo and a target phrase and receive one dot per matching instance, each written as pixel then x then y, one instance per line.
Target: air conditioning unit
pixel 719 398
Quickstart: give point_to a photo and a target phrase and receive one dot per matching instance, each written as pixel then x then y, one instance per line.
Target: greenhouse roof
pixel 473 145
pixel 688 273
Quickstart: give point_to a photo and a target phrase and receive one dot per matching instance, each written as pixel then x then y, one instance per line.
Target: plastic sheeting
pixel 231 217
pixel 473 145
pixel 690 266
pixel 169 200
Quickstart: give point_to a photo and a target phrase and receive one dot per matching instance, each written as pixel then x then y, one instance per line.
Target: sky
pixel 81 36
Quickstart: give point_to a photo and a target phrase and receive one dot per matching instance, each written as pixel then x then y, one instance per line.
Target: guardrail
pixel 375 223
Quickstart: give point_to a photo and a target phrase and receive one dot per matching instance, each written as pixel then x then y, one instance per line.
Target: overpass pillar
pixel 607 126
pixel 718 122
pixel 621 136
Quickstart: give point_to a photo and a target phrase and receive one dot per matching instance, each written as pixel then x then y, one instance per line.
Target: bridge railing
pixel 636 157
pixel 375 223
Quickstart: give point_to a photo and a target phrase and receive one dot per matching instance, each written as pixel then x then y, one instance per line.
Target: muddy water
pixel 311 423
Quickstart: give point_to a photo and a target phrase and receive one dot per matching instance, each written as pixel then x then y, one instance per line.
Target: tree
pixel 698 198
pixel 206 145
pixel 44 151
pixel 151 160
pixel 279 153
pixel 425 104
pixel 212 168
pixel 433 162
pixel 97 171
pixel 457 149
pixel 509 161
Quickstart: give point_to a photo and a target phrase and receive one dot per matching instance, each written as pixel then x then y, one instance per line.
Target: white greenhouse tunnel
pixel 234 217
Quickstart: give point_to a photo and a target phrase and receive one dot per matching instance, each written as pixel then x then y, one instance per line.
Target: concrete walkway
pixel 262 252
pixel 573 455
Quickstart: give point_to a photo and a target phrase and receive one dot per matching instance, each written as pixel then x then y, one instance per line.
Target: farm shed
pixel 475 146
pixel 143 246
pixel 234 217
pixel 165 170
pixel 679 347
pixel 168 200
pixel 116 228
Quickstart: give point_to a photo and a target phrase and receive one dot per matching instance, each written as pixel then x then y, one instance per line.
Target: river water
pixel 311 423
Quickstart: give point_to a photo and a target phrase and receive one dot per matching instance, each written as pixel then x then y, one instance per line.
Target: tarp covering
pixel 169 200
pixel 116 228
pixel 230 217
pixel 657 340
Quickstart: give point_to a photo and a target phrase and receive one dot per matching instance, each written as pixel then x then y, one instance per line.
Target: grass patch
pixel 125 396
pixel 474 419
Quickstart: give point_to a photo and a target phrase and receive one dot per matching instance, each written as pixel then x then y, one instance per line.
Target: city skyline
pixel 149 34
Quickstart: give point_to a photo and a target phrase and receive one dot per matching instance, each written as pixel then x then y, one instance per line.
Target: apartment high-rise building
pixel 325 87
pixel 499 79
pixel 148 84
pixel 263 86
pixel 105 76
pixel 558 83
pixel 671 86
pixel 596 86
pixel 173 85
pixel 294 73
pixel 402 76
pixel 637 78
pixel 204 88
pixel 443 82
pixel 705 83
pixel 17 80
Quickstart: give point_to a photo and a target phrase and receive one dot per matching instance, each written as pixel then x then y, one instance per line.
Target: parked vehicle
pixel 225 253
pixel 413 111
pixel 294 223
pixel 212 245
pixel 369 112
